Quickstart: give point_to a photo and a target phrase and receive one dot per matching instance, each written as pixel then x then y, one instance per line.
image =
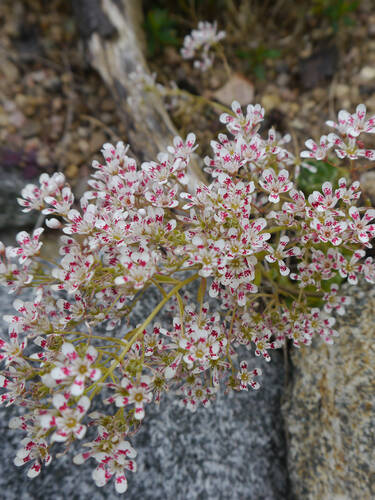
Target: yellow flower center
pixel 138 397
pixel 71 422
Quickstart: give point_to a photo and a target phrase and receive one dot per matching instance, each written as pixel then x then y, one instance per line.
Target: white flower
pixel 28 245
pixel 66 420
pixel 317 151
pixel 353 124
pixel 247 378
pixel 200 41
pixel 137 392
pixel 78 367
pixel 280 254
pixel 275 185
pixel 35 450
pixel 335 302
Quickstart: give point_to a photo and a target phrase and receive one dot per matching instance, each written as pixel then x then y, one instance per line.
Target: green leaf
pixel 257 57
pixel 272 54
pixel 160 30
pixel 309 181
pixel 260 71
pixel 243 54
pixel 337 11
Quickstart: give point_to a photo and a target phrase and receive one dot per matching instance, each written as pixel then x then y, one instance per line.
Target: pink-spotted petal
pixel 34 470
pixel 80 432
pixel 91 354
pixel 121 484
pixel 69 351
pixel 95 374
pixel 60 372
pixel 83 404
pixel 60 403
pixel 78 386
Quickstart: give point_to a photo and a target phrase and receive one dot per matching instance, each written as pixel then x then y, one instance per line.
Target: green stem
pixel 277 229
pixel 84 335
pixel 137 332
pixel 198 98
pixel 220 51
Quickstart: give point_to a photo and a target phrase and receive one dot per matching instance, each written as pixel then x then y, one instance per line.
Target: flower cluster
pixel 269 255
pixel 200 42
pixel 345 141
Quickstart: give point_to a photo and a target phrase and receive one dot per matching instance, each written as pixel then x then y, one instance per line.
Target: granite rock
pixel 329 412
pixel 12 181
pixel 367 181
pixel 233 450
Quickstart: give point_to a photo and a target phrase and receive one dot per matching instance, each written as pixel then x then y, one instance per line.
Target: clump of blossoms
pixel 272 258
pixel 200 44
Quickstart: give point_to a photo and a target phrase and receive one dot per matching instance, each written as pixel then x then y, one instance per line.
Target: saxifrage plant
pixel 272 258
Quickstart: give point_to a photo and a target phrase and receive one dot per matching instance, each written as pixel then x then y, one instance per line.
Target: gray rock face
pixel 329 412
pixel 12 182
pixel 233 450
